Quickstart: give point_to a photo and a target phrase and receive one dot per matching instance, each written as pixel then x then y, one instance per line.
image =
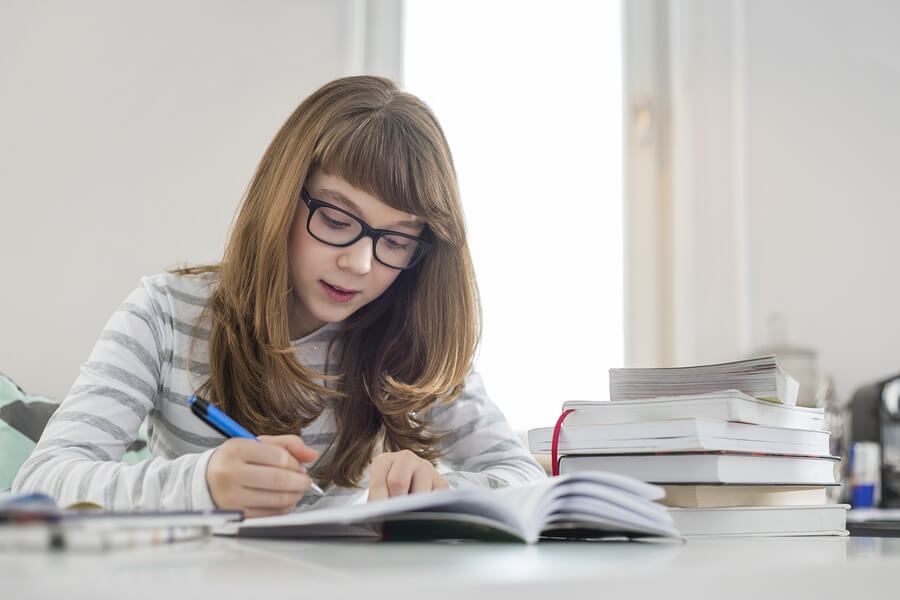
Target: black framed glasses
pixel 337 227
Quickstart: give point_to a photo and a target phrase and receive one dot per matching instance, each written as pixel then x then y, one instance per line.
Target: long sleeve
pixel 480 448
pixel 78 456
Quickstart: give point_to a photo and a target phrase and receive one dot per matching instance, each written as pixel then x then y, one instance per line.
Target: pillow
pixel 22 420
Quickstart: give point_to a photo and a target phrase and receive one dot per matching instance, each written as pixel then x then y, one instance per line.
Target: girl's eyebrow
pixel 339 198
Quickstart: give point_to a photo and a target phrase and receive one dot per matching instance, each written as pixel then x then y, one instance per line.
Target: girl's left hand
pixel 401 473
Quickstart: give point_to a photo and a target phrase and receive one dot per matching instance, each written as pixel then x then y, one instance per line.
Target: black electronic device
pixel 875 410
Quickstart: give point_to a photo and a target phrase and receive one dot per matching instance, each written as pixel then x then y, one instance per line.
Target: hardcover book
pixel 762 520
pixel 709 467
pixel 680 435
pixel 724 405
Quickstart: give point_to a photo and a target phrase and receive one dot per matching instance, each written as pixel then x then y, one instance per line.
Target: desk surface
pixel 222 568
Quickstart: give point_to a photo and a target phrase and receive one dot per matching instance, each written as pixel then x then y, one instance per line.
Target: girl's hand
pixel 261 479
pixel 401 473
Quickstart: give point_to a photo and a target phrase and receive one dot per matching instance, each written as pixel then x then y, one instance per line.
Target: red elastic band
pixel 554 447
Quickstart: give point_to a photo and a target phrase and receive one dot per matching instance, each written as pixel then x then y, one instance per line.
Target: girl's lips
pixel 340 289
pixel 338 294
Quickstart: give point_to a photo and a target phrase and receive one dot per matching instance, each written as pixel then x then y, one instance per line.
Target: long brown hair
pixel 398 354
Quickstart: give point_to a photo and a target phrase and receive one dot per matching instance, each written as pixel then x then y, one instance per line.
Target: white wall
pixel 535 129
pixel 823 183
pixel 128 134
pixel 781 181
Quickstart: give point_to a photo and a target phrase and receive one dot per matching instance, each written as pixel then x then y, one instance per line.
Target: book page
pixel 463 501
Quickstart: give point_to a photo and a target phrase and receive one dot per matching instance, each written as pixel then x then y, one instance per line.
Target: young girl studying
pixel 339 329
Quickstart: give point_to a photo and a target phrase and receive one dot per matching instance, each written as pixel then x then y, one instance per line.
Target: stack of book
pixel 738 460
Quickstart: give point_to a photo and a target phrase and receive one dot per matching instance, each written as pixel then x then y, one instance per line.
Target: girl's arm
pixel 481 448
pixel 78 456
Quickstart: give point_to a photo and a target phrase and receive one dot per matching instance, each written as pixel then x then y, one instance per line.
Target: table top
pixel 222 568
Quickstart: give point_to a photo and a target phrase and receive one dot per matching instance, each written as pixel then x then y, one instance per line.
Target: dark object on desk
pixel 874 529
pixel 874 522
pixel 875 410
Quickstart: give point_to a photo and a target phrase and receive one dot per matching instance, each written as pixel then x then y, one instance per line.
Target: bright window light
pixel 530 98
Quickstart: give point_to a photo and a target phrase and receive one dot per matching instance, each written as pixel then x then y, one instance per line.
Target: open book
pixel 581 505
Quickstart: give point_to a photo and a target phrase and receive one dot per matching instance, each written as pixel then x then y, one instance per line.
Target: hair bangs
pixel 377 153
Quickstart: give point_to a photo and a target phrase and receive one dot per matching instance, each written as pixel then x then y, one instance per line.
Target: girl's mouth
pixel 338 294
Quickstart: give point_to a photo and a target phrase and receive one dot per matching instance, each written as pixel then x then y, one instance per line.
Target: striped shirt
pixel 144 367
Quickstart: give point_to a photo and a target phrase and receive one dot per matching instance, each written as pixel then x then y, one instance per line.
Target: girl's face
pixel 329 282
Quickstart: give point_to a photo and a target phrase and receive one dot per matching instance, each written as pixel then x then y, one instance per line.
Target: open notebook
pixel 580 505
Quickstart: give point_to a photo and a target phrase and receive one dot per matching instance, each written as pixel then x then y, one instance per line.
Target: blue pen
pixel 225 425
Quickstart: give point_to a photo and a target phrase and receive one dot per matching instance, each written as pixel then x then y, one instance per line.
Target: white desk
pixel 225 568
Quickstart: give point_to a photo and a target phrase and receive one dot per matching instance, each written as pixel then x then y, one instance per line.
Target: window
pixel 530 98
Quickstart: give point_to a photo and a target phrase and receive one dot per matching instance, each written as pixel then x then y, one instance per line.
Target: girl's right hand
pixel 261 479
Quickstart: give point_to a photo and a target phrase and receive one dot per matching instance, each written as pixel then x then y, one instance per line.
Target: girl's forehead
pixel 336 190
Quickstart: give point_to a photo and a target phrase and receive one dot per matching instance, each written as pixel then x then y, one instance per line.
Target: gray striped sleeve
pixel 188 477
pixel 105 391
pixel 188 436
pixel 138 486
pixel 198 368
pixel 132 345
pixel 78 456
pixel 111 371
pixel 145 316
pixel 85 482
pixel 101 423
pixel 171 321
pixel 92 451
pixel 109 499
pixel 170 395
pixel 179 295
pixel 480 448
pixel 29 468
pixel 476 425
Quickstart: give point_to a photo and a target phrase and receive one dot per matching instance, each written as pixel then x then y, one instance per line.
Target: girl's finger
pixel 250 513
pixel 399 477
pixel 422 478
pixel 293 444
pixel 438 482
pixel 378 478
pixel 270 455
pixel 273 479
pixel 249 498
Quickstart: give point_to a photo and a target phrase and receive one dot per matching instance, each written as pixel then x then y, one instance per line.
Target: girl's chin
pixel 334 314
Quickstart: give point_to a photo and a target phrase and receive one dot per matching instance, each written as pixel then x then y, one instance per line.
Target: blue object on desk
pixel 225 425
pixel 863 496
pixel 27 500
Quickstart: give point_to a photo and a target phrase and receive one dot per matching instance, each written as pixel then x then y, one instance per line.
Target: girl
pixel 341 323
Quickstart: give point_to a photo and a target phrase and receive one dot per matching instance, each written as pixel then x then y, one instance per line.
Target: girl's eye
pixel 399 244
pixel 334 223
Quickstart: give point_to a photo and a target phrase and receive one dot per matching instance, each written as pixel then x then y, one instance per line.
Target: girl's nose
pixel 357 258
